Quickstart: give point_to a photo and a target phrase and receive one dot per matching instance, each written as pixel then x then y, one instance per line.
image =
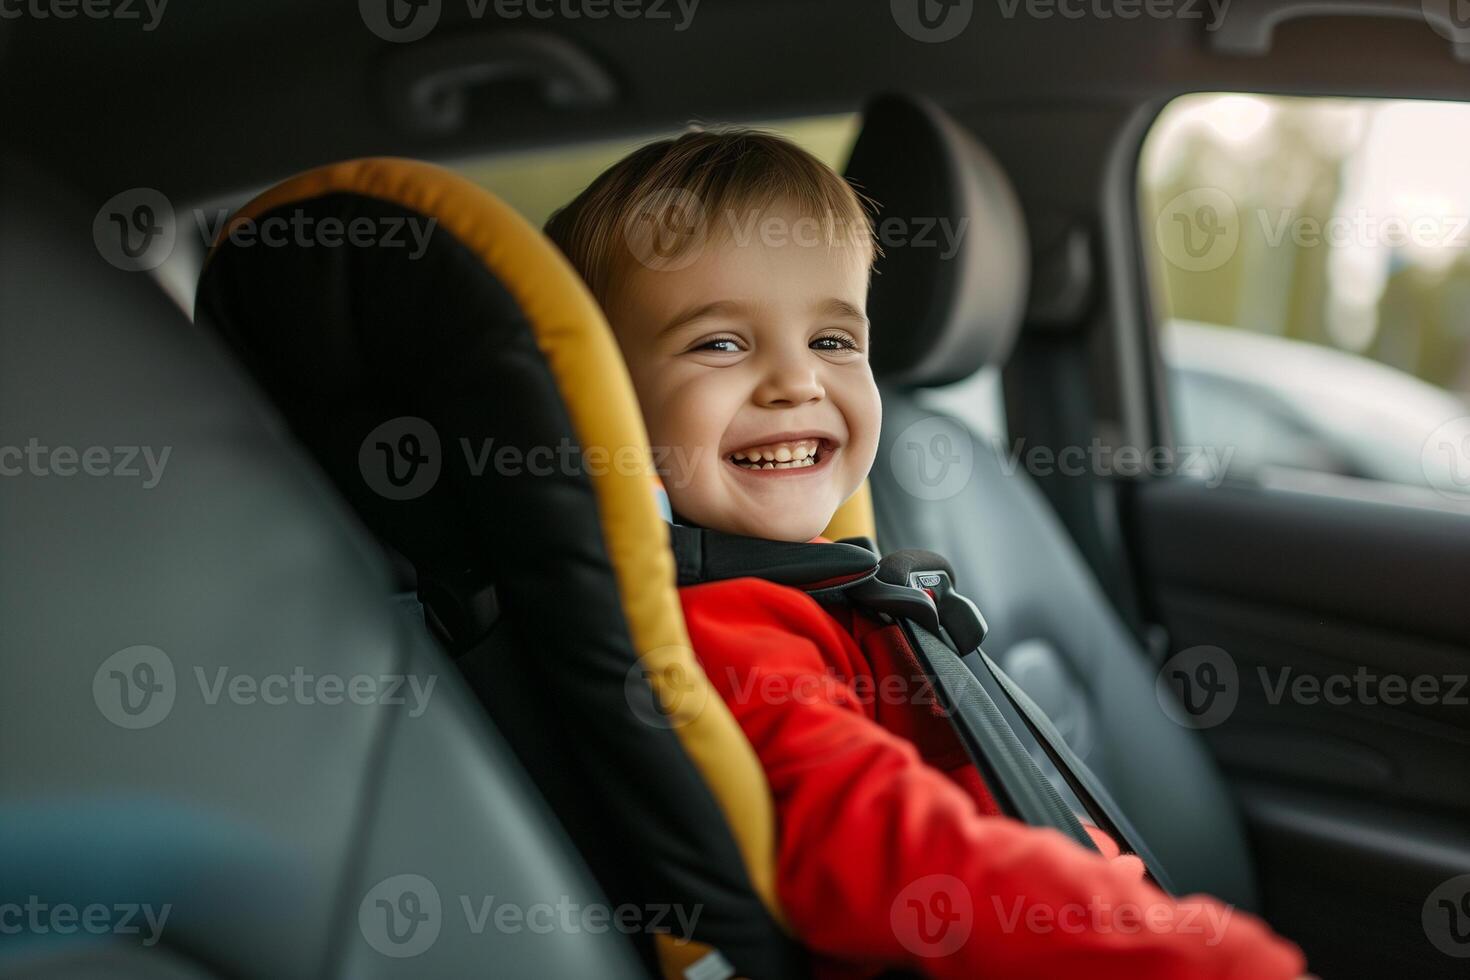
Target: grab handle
pixel 429 83
pixel 1249 25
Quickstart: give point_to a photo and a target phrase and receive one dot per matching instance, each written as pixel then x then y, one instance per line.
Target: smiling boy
pixel 733 267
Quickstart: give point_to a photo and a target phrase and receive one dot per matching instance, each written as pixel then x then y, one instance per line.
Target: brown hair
pixel 660 204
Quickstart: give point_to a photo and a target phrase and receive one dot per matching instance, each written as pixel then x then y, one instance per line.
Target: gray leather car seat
pixel 939 317
pixel 158 816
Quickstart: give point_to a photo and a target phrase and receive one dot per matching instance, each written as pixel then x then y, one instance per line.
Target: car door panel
pixel 1341 629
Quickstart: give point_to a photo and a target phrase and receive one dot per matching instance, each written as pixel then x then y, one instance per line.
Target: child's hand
pixel 1110 850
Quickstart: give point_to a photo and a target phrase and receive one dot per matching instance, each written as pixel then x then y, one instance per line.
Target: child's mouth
pixel 795 454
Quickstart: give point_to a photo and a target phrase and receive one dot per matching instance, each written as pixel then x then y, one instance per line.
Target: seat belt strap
pixel 1099 803
pixel 1013 776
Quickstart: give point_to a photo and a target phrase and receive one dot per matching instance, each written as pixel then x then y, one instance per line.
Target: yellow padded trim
pixel 854 518
pixel 594 384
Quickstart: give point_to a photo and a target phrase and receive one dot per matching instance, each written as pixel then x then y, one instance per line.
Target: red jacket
pixel 891 851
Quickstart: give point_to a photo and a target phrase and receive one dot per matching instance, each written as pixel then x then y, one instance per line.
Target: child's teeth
pixel 780 456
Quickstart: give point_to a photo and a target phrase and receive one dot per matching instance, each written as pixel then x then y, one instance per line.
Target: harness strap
pixel 1100 804
pixel 945 631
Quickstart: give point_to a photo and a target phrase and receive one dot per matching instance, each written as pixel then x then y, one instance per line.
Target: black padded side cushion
pixel 346 339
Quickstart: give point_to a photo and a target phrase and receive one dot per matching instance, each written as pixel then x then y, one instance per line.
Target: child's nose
pixel 787 385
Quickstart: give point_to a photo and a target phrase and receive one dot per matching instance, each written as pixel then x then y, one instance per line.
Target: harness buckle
pixel 960 617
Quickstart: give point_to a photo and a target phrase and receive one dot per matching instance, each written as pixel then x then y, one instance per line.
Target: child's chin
pixel 784 530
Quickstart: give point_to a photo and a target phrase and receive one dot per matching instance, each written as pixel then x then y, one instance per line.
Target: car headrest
pixel 454 377
pixel 949 291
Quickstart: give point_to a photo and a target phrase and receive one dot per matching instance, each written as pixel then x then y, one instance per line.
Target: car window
pixel 1309 260
pixel 537 182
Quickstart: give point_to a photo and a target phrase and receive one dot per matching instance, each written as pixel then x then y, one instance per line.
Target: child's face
pixel 757 347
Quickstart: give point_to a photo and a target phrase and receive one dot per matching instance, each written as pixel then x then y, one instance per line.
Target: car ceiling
pixel 227 96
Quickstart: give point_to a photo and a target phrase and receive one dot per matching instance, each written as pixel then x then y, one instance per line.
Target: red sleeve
pixel 884 861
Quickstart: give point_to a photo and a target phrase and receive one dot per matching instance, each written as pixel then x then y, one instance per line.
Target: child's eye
pixel 834 342
pixel 720 345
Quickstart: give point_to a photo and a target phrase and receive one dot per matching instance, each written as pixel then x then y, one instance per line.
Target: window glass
pixel 1310 263
pixel 537 182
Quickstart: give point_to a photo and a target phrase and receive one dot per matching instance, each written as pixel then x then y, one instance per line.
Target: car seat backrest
pixel 938 318
pixel 466 397
pixel 173 802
